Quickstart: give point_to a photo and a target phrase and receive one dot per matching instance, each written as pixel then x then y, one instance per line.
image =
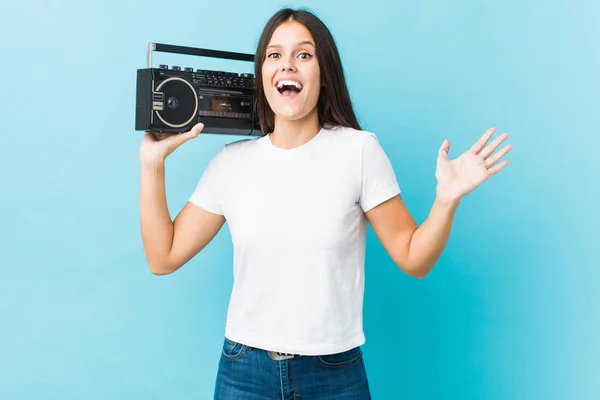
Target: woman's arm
pixel 416 249
pixel 168 245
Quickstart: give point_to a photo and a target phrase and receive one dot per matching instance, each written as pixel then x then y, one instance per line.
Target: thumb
pixel 191 134
pixel 444 149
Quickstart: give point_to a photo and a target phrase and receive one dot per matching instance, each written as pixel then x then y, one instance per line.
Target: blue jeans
pixel 247 373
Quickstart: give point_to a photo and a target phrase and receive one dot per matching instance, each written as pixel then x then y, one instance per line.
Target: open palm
pixel 459 177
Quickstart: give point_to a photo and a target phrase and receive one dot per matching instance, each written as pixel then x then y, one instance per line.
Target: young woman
pixel 298 201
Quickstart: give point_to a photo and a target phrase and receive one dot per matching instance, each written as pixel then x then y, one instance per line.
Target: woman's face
pixel 290 72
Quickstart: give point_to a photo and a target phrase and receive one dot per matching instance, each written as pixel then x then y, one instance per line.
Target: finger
pixel 159 136
pixel 482 140
pixel 485 153
pixel 148 137
pixel 192 133
pixel 496 157
pixel 494 170
pixel 444 149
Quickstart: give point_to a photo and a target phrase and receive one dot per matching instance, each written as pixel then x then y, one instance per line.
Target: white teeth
pixel 289 83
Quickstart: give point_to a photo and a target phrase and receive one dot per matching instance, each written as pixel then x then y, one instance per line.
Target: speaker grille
pixel 180 102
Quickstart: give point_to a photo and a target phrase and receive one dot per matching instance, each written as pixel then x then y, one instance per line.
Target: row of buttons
pixel 224 74
pixel 238 83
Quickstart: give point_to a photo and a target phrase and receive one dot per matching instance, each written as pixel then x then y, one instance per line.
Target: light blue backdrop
pixel 510 311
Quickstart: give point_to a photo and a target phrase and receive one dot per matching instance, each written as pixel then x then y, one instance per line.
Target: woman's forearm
pixel 156 224
pixel 430 238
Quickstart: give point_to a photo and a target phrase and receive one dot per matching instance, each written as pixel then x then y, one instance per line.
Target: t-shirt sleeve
pixel 378 180
pixel 208 193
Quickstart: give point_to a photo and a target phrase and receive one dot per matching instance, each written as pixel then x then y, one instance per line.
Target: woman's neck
pixel 289 134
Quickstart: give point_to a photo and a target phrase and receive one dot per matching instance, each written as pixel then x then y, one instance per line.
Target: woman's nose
pixel 287 64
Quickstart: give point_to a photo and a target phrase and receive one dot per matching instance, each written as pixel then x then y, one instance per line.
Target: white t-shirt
pixel 298 228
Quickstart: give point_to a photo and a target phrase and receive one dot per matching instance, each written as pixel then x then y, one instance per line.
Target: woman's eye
pixel 303 56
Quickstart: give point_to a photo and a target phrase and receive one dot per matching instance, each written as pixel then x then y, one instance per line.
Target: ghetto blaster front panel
pixel 173 100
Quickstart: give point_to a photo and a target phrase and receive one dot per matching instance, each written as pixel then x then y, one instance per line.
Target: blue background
pixel 509 312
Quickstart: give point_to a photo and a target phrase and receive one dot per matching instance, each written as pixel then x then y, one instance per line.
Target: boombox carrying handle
pixel 193 51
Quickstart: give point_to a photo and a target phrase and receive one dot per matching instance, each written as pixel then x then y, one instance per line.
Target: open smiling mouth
pixel 289 88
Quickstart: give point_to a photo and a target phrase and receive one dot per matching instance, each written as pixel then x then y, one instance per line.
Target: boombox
pixel 173 100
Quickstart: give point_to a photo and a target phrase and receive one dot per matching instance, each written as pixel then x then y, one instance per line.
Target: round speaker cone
pixel 181 102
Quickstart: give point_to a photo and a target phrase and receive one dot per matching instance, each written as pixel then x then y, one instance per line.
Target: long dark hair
pixel 334 104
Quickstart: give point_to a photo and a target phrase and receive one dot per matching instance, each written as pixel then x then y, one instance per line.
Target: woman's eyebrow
pixel 304 42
